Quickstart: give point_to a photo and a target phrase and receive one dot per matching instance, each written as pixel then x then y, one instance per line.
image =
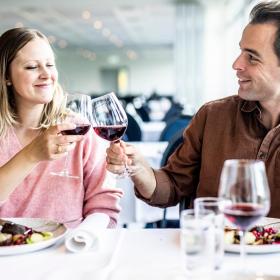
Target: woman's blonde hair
pixel 10 43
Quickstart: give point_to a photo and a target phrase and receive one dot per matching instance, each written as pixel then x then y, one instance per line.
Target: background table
pixel 151 130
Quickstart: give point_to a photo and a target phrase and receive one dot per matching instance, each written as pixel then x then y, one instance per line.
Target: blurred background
pixel 163 58
pixel 182 49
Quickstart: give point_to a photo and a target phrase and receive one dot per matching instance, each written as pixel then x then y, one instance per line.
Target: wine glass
pixel 245 195
pixel 109 120
pixel 77 110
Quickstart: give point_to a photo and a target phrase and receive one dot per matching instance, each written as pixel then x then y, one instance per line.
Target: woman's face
pixel 33 73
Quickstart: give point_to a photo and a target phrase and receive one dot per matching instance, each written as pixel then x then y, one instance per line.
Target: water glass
pixel 197 243
pixel 212 203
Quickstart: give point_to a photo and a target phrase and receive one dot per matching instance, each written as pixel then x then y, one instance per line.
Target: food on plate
pixel 258 235
pixel 15 234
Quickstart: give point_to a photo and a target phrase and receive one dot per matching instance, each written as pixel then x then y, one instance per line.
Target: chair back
pixel 174 125
pixel 173 144
pixel 174 111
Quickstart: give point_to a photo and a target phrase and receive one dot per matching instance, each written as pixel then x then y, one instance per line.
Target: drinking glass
pixel 245 194
pixel 78 111
pixel 197 243
pixel 212 203
pixel 110 121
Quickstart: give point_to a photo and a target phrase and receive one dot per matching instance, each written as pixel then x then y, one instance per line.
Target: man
pixel 245 126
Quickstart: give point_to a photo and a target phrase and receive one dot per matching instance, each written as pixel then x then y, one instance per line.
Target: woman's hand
pixel 51 144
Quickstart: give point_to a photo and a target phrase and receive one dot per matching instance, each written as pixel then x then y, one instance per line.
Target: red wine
pixel 80 129
pixel 110 132
pixel 243 215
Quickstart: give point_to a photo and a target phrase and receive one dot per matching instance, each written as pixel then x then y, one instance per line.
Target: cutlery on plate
pixel 45 226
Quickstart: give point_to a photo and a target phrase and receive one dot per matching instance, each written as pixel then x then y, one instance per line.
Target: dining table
pixel 151 130
pixel 125 254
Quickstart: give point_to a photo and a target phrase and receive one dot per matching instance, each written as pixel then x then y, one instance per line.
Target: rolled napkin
pixel 87 235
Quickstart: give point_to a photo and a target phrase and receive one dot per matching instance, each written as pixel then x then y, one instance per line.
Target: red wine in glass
pixel 110 132
pixel 109 121
pixel 76 109
pixel 245 196
pixel 243 215
pixel 80 129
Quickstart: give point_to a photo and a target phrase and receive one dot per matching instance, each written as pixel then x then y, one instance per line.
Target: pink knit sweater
pixel 60 198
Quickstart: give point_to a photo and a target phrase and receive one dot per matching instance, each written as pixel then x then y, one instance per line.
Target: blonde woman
pixel 31 147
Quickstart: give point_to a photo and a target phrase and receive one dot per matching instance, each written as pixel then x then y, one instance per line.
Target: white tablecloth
pixel 133 209
pixel 151 130
pixel 148 254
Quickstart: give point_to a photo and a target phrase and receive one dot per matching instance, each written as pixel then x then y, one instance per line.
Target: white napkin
pixel 87 235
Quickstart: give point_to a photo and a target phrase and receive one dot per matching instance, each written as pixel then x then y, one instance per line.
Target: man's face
pixel 257 67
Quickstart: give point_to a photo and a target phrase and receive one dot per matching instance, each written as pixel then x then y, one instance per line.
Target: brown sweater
pixel 229 128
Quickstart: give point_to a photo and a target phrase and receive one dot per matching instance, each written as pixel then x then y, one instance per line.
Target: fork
pixel 46 226
pixel 52 226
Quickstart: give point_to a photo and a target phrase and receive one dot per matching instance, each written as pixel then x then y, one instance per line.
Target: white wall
pixel 151 71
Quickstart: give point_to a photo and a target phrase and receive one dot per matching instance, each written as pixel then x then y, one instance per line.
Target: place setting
pixel 234 222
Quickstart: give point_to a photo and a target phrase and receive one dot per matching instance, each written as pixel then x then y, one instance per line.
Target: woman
pixel 31 147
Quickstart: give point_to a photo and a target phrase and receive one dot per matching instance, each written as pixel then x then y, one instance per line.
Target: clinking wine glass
pixel 110 120
pixel 78 111
pixel 245 195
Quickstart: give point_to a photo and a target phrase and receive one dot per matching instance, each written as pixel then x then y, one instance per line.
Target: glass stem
pixel 242 249
pixel 126 172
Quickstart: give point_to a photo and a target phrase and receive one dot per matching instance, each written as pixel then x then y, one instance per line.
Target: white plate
pixel 58 231
pixel 258 249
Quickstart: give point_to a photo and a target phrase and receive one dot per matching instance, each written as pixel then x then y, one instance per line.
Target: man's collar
pixel 250 106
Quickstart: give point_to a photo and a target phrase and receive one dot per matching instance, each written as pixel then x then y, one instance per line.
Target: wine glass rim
pixel 104 96
pixel 243 162
pixel 208 200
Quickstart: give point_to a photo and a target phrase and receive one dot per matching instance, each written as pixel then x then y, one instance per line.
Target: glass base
pixel 64 173
pixel 129 171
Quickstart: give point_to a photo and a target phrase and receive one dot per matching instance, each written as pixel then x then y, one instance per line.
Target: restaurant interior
pixel 164 59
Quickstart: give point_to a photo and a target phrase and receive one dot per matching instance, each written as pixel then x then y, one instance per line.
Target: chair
pixel 174 111
pixel 173 144
pixel 143 112
pixel 174 125
pixel 133 131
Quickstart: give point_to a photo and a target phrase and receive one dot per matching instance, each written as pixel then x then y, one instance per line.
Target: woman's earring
pixel 9 83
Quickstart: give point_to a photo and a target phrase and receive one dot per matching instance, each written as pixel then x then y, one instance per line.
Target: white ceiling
pixel 125 23
pixel 133 26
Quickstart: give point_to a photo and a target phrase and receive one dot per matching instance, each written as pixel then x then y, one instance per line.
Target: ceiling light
pixel 51 39
pixel 62 44
pixel 19 24
pixel 86 15
pixel 131 54
pixel 97 24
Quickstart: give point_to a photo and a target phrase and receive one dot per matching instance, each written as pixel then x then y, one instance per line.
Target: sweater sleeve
pixel 101 196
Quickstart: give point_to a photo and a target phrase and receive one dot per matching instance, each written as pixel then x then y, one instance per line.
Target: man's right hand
pixel 119 154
